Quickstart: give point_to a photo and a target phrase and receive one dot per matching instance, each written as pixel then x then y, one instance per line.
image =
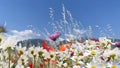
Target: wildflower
pixel 117 44
pixel 112 54
pixel 10 42
pixel 52 55
pixel 91 66
pixel 62 47
pixel 32 51
pixel 0 40
pixel 111 65
pixel 21 50
pixel 54 36
pixel 65 65
pixel 93 52
pixel 45 45
pixel 75 58
pixel 31 65
pixel 104 41
pixel 23 60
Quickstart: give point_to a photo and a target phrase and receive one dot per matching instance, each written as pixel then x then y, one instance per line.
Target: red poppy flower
pixel 41 65
pixel 45 45
pixel 31 65
pixel 62 48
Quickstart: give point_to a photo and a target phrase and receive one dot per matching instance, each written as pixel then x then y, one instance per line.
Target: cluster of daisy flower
pixel 90 53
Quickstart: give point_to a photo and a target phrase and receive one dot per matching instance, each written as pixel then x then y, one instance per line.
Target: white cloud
pixel 14 36
pixel 26 34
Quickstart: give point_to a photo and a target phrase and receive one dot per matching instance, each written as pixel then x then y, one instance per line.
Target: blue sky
pixel 18 14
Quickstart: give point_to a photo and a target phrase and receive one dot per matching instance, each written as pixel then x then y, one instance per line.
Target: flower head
pixel 54 36
pixel 117 44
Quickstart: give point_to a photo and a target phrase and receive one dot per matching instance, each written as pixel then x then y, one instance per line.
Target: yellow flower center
pixel 32 52
pixel 109 42
pixel 34 55
pixel 40 53
pixel 113 66
pixel 93 52
pixel 22 60
pixel 103 44
pixel 93 66
pixel 21 52
pixel 65 57
pixel 51 55
pixel 76 58
pixel 0 40
pixel 91 46
pixel 102 65
pixel 8 47
pixel 112 56
pixel 68 62
pixel 23 63
pixel 90 55
pixel 78 64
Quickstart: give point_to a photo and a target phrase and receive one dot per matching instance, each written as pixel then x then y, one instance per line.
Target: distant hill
pixel 38 42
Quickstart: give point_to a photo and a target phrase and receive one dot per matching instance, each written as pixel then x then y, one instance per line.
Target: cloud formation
pixel 26 34
pixel 14 36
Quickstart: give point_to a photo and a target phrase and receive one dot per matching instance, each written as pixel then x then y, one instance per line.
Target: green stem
pixel 24 66
pixel 45 65
pixel 48 64
pixel 34 61
pixel 9 54
pixel 41 61
pixel 15 62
